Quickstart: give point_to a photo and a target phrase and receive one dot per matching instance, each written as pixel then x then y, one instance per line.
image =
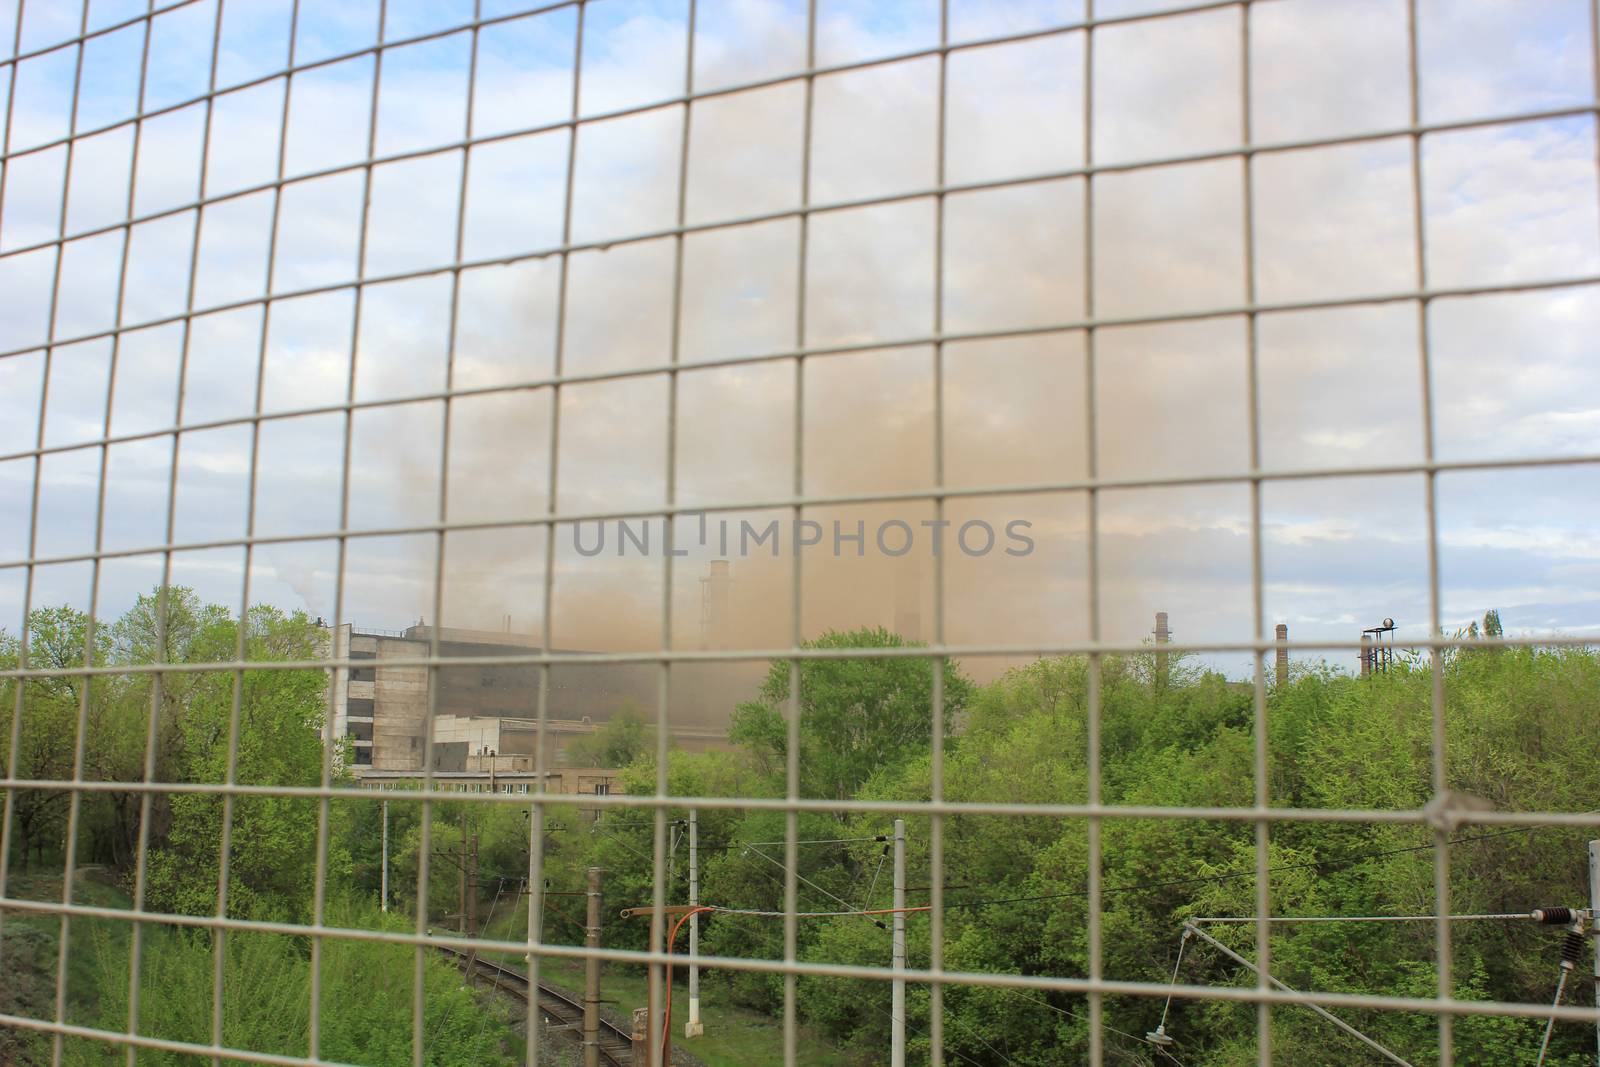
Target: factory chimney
pixel 1283 654
pixel 908 600
pixel 715 590
pixel 1163 636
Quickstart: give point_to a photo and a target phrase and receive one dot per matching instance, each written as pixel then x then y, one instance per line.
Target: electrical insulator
pixel 1553 916
pixel 1571 949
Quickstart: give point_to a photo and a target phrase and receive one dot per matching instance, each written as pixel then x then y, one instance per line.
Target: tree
pixel 44 736
pixel 1491 624
pixel 278 742
pixel 1521 731
pixel 623 738
pixel 859 716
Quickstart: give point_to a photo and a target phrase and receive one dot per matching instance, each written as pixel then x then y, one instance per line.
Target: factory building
pixel 487 715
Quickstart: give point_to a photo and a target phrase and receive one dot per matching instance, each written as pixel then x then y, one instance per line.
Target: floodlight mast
pixel 1376 653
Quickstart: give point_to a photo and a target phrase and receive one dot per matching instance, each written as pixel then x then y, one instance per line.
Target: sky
pixel 1338 388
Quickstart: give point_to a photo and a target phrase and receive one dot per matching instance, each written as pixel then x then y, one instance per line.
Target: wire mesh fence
pixel 382 312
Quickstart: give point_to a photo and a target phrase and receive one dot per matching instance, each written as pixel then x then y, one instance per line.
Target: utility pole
pixel 1594 905
pixel 591 976
pixel 897 1005
pixel 383 878
pixel 694 1028
pixel 672 855
pixel 460 855
pixel 472 888
pixel 461 886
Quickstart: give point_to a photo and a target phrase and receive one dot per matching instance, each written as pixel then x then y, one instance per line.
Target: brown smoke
pixel 1169 399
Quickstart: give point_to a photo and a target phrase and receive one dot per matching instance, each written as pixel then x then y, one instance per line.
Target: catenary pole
pixel 694 1027
pixel 1594 907
pixel 591 976
pixel 472 889
pixel 383 878
pixel 897 1006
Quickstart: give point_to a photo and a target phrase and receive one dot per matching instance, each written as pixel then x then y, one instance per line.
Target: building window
pixel 602 789
pixel 362 757
pixel 363 674
pixel 361 731
pixel 359 706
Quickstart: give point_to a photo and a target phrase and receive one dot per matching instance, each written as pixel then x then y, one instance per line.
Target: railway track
pixel 616 1044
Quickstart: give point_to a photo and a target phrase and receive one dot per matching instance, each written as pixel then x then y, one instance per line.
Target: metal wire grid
pixel 1095 986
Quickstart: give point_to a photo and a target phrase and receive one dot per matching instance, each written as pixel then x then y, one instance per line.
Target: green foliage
pixel 624 738
pixel 189 716
pixel 858 717
pixel 1519 734
pixel 1519 731
pixel 57 638
pixel 278 742
pixel 366 1008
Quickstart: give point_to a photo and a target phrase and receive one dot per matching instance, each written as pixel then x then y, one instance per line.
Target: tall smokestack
pixel 1163 636
pixel 715 589
pixel 1366 655
pixel 908 600
pixel 1283 654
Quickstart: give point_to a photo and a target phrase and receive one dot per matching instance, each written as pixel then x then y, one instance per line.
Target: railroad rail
pixel 616 1044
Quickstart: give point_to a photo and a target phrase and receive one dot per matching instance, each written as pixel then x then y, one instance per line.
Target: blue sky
pixel 1514 375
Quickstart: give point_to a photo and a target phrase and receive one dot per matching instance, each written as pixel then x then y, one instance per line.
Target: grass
pixel 734 1036
pixel 31 948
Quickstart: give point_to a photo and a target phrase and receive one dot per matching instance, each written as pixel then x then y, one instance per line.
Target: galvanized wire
pixel 794 499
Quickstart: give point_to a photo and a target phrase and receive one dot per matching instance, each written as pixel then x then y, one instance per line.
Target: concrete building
pixel 567 781
pixel 487 714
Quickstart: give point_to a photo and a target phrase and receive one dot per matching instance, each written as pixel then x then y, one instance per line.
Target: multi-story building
pixel 486 716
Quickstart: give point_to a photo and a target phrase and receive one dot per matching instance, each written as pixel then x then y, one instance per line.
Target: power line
pixel 1201 879
pixel 1327 864
pixel 873 885
pixel 648 859
pixel 732 845
pixel 1531 916
pixel 1318 1009
pixel 784 867
pixel 1075 1015
pixel 922 1033
pixel 811 841
pixel 1198 879
pixel 830 895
